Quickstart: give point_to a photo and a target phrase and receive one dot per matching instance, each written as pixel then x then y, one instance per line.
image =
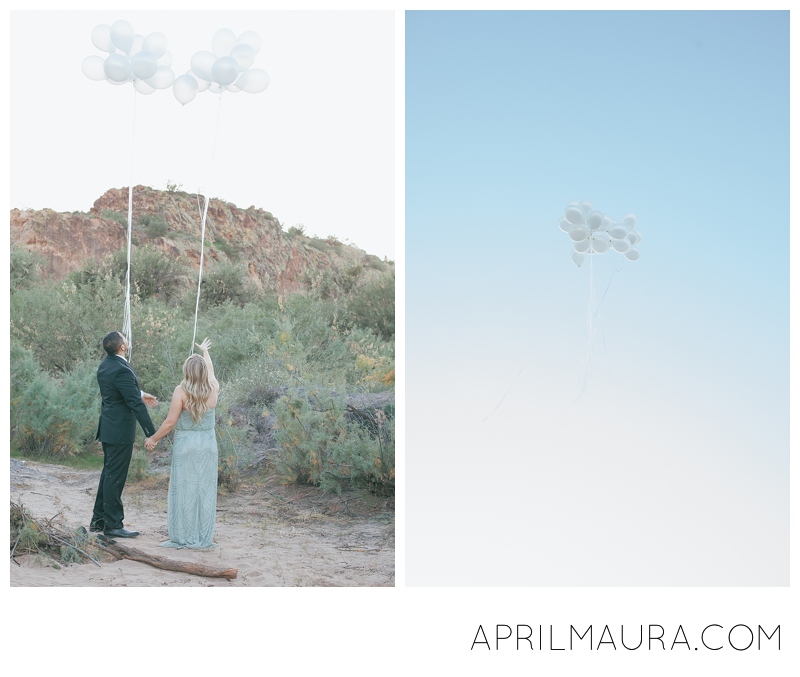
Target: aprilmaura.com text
pixel 653 637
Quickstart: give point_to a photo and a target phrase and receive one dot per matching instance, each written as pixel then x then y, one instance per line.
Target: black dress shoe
pixel 120 533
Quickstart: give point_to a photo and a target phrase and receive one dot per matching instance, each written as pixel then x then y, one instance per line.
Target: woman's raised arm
pixel 204 346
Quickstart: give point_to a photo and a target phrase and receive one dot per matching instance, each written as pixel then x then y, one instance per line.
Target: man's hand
pixel 149 444
pixel 150 400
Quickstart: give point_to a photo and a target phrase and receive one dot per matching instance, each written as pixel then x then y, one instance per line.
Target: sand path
pixel 274 535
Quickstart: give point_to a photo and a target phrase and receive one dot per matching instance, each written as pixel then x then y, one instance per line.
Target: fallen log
pixel 122 551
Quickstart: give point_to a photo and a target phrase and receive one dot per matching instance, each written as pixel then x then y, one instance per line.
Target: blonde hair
pixel 196 386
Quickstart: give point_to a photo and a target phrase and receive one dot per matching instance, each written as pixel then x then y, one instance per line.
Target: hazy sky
pixel 317 147
pixel 672 468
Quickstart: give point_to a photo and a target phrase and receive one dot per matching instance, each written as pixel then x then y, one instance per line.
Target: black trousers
pixel 108 512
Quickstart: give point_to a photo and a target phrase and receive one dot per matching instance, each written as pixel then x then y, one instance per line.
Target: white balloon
pixel 144 65
pixel 574 215
pixel 594 220
pixel 618 232
pixel 578 258
pixel 117 68
pixel 225 70
pixel 244 56
pixel 582 246
pixel 250 38
pixel 638 236
pixel 565 225
pixel 142 87
pixel 223 42
pixel 215 88
pixel 578 233
pixel 137 45
pixel 232 88
pixel 600 243
pixel 621 245
pixel 122 35
pixel 202 85
pixel 156 44
pixel 632 254
pixel 114 82
pixel 586 207
pixel 202 63
pixel 185 89
pixel 165 59
pixel 163 78
pixel 629 220
pixel 253 81
pixel 101 38
pixel 92 67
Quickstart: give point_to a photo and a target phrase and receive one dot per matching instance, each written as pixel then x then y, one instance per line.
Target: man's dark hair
pixel 112 342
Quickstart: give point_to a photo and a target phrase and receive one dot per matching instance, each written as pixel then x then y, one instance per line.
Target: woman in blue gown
pixel 192 495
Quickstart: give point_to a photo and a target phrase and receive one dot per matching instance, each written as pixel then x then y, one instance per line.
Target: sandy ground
pixel 275 535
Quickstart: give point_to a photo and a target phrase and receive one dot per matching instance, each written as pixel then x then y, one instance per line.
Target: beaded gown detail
pixel 192 494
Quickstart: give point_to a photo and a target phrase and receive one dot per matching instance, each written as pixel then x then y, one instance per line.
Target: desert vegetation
pixel 307 378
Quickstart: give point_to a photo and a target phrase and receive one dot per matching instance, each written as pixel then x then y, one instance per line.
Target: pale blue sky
pixel 681 118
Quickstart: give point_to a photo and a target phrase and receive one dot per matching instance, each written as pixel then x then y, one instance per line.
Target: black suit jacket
pixel 122 403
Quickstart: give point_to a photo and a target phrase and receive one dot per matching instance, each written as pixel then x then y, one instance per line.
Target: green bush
pixel 65 324
pixel 55 418
pixel 232 456
pixel 24 268
pixel 372 307
pixel 155 225
pixel 225 282
pixel 119 217
pixel 157 274
pixel 319 446
pixel 139 468
pixel 229 250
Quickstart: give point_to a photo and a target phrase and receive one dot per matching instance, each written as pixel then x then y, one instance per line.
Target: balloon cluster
pixel 225 68
pixel 144 61
pixel 593 232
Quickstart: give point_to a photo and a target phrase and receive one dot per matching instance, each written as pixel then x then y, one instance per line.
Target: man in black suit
pixel 123 405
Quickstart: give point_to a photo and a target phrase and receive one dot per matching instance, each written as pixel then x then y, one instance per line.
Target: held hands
pixel 149 444
pixel 204 346
pixel 150 400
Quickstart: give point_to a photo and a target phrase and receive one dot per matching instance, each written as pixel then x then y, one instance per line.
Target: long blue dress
pixel 192 495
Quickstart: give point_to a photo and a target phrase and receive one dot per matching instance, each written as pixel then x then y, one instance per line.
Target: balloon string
pixel 203 226
pixel 126 323
pixel 586 368
pixel 504 395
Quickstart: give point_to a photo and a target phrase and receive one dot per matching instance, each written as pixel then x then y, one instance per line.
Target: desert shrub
pixel 229 250
pixel 299 229
pixel 153 273
pixel 139 468
pixel 24 268
pixel 225 282
pixel 371 306
pixel 53 417
pixel 375 263
pixel 321 245
pixel 319 446
pixel 119 217
pixel 65 324
pixel 156 274
pixel 155 225
pixel 232 455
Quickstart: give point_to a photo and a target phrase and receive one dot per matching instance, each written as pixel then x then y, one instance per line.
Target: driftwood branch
pixel 122 551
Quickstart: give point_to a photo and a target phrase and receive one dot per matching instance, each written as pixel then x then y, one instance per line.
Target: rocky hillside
pixel 170 221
